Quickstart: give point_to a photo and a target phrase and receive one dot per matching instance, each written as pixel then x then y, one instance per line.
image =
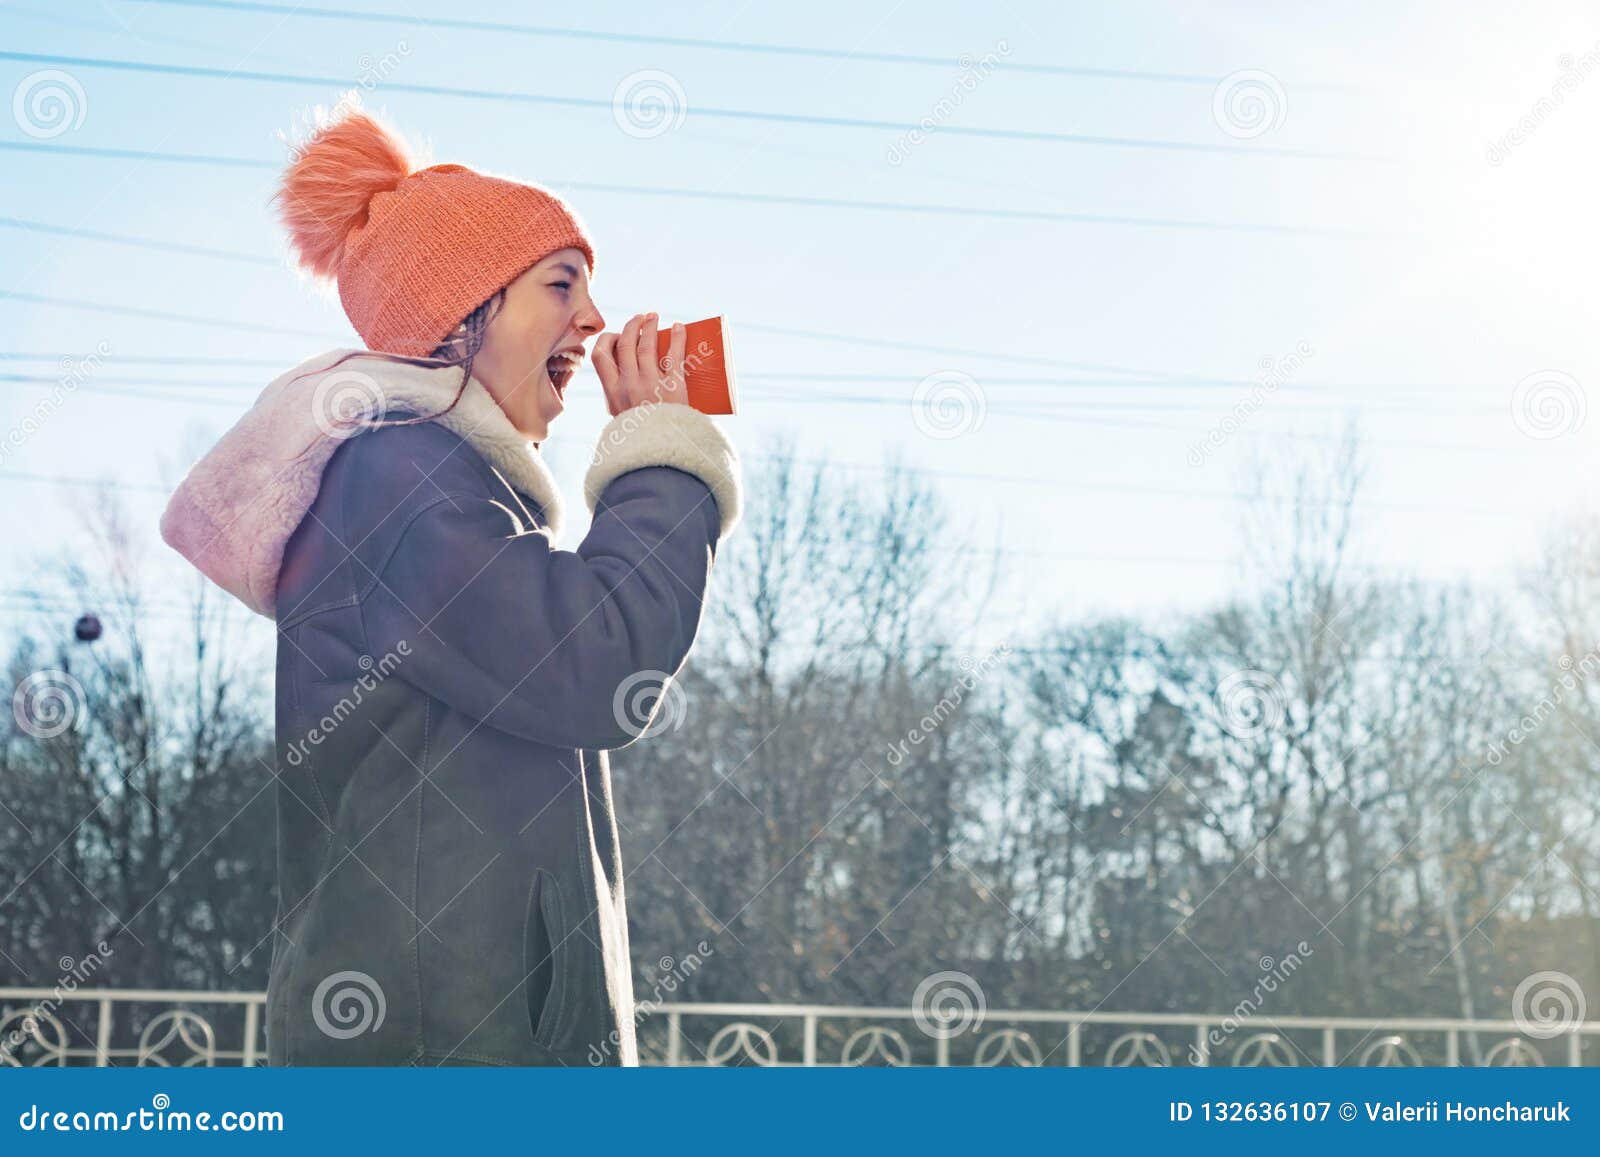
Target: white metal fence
pixel 40 1026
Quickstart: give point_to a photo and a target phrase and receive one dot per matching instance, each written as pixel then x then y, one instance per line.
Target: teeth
pixel 562 367
pixel 561 371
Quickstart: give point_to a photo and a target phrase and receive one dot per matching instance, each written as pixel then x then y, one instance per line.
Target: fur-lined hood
pixel 234 512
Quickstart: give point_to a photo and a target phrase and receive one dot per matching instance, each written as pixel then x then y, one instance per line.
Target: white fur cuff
pixel 668 434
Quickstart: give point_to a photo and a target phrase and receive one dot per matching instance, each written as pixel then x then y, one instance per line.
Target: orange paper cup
pixel 708 366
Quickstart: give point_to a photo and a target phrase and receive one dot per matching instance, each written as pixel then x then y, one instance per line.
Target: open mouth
pixel 561 367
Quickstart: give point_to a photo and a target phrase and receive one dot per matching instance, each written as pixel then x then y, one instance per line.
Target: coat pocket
pixel 544 956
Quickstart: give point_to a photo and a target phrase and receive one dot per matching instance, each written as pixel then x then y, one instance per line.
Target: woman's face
pixel 534 345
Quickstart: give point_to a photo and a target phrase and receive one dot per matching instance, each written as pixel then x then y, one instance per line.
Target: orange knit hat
pixel 413 253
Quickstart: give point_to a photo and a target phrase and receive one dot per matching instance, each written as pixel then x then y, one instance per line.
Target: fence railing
pixel 40 1026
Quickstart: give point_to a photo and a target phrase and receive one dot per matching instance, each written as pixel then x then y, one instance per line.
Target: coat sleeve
pixel 561 647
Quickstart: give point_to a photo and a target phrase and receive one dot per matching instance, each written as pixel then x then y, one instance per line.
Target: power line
pixel 140 242
pixel 1016 479
pixel 1153 383
pixel 1072 420
pixel 801 379
pixel 165 315
pixel 137 155
pixel 1046 409
pixel 123 30
pixel 1043 410
pixel 501 95
pixel 224 323
pixel 1146 654
pixel 175 611
pixel 988 355
pixel 127 391
pixel 23 603
pixel 752 327
pixel 131 391
pixel 1329 232
pixel 1177 492
pixel 797 377
pixel 1144 376
pixel 1333 439
pixel 781 331
pixel 143 359
pixel 788 148
pixel 68 599
pixel 45 379
pixel 817 53
pixel 72 480
pixel 744 197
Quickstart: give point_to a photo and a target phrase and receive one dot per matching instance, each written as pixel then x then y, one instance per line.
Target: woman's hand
pixel 631 374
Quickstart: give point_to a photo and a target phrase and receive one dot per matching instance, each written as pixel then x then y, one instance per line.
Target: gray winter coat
pixel 448 686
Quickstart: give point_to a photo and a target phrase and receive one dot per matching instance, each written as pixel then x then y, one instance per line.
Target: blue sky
pixel 1419 282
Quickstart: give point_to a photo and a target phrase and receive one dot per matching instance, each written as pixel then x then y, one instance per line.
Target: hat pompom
pixel 327 188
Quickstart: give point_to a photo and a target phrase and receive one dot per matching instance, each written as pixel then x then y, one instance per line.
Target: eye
pixel 563 286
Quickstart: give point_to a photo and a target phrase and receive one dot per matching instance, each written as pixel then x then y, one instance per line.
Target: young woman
pixel 448 682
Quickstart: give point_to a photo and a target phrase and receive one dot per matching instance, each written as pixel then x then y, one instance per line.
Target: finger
pixel 677 368
pixel 627 350
pixel 604 356
pixel 649 357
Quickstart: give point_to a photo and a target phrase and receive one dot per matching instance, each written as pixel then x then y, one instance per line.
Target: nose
pixel 589 321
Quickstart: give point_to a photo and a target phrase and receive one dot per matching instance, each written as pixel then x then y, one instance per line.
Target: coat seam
pixel 300 617
pixel 365 589
pixel 347 564
pixel 416 879
pixel 298 714
pixel 591 900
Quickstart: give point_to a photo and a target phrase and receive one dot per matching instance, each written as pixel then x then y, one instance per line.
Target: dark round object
pixel 87 628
